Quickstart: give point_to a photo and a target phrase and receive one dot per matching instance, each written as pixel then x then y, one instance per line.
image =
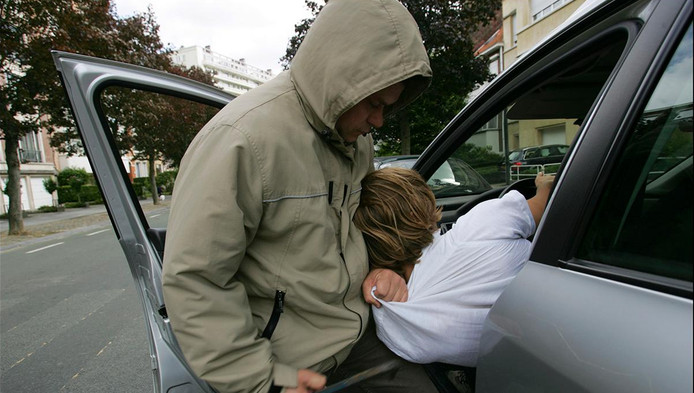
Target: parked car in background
pixel 538 155
pixel 605 302
pixel 528 161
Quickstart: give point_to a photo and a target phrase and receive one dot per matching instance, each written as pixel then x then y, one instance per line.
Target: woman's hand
pixel 543 181
pixel 390 287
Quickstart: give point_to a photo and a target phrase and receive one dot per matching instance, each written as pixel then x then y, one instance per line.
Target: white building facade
pixel 232 75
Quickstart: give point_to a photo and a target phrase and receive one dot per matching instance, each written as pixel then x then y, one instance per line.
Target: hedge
pixel 67 194
pixel 90 193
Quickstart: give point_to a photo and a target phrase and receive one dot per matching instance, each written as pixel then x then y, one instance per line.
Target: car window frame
pixel 508 88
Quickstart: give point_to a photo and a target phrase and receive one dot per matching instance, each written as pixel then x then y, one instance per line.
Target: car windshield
pixel 453 178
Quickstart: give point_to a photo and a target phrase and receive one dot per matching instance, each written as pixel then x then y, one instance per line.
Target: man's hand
pixel 308 382
pixel 390 287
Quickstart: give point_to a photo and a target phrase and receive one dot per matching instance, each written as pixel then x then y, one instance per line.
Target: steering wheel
pixel 524 186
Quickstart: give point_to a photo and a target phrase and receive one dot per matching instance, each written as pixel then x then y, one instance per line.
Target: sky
pixel 256 30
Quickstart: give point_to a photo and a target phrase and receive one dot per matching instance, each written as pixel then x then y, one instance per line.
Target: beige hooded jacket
pixel 264 201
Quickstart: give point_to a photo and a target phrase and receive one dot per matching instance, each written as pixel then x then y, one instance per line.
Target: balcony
pixel 26 155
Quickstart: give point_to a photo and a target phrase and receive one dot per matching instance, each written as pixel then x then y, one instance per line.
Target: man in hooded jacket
pixel 261 217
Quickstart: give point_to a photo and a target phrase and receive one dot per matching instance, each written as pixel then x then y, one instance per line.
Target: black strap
pixel 277 310
pixel 275 389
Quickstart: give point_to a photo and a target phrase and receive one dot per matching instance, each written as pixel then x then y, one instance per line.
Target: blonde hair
pixel 397 214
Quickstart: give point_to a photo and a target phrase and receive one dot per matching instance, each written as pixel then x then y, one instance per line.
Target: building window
pixel 494 68
pixel 514 29
pixel 29 148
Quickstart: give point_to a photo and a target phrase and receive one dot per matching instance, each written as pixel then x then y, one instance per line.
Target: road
pixel 70 318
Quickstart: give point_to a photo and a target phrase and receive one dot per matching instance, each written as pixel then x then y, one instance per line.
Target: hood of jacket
pixel 353 49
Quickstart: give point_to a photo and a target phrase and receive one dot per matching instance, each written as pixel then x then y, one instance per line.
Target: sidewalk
pixel 42 226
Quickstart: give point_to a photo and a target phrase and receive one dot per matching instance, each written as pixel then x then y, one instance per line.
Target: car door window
pixel 151 131
pixel 644 218
pixel 546 109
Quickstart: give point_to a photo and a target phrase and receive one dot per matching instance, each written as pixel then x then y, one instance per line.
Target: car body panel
pixel 557 336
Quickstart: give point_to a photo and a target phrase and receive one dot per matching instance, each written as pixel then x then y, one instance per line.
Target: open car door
pixel 105 96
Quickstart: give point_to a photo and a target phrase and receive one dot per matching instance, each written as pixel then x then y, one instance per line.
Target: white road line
pixel 156 215
pixel 97 232
pixel 43 248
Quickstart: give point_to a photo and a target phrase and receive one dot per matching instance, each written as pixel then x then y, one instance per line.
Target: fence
pixel 530 171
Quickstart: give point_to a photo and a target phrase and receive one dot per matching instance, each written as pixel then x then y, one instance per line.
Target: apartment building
pixel 232 75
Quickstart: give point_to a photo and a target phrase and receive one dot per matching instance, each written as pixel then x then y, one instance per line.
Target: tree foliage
pixel 154 127
pixel 31 94
pixel 447 29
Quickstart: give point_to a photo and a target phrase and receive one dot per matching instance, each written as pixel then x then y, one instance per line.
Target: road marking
pixel 98 232
pixel 103 349
pixel 43 248
pixel 156 215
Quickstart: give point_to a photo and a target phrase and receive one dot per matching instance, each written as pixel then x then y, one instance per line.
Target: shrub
pixel 70 183
pixel 90 193
pixel 67 194
pixel 50 185
pixel 75 204
pixel 74 177
pixel 48 209
pixel 166 181
pixel 142 186
pixel 477 156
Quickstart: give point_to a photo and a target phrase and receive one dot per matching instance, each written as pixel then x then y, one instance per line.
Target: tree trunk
pixel 153 179
pixel 14 214
pixel 404 132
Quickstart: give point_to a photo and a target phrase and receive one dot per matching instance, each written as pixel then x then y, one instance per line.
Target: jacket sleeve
pixel 215 213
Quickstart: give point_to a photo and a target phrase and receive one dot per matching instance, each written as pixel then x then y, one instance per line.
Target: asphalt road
pixel 70 318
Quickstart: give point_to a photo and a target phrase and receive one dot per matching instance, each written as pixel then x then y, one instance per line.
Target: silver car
pixel 605 302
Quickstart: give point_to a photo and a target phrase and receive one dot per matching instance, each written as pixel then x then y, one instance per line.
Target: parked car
pixel 537 155
pixel 528 161
pixel 453 178
pixel 605 302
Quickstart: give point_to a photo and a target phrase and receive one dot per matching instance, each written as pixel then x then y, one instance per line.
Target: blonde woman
pixel 452 279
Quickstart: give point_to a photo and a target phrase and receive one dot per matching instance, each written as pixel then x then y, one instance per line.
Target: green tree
pixel 447 29
pixel 185 118
pixel 32 95
pixel 155 127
